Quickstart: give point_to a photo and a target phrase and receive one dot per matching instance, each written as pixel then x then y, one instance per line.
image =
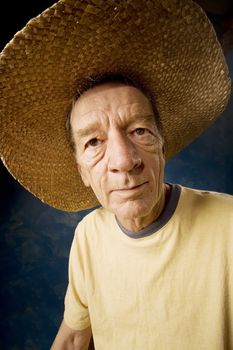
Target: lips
pixel 131 188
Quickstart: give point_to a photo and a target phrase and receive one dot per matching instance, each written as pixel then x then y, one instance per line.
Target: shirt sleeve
pixel 76 313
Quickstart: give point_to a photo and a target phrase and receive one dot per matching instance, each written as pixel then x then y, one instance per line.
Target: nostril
pixel 138 163
pixel 138 168
pixel 114 170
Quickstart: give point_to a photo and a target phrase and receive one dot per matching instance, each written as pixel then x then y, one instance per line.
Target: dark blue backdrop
pixel 35 238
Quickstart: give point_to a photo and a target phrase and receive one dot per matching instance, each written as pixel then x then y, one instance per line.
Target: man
pixel 134 275
pixel 120 154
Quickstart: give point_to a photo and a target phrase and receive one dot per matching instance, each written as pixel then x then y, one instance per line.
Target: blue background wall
pixel 35 238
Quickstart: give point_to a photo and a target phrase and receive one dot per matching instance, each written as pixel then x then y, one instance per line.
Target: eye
pixel 140 131
pixel 93 142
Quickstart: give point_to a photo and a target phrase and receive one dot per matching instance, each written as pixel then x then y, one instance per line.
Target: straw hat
pixel 169 44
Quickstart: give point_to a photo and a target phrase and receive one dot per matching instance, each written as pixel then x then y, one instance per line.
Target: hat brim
pixel 170 45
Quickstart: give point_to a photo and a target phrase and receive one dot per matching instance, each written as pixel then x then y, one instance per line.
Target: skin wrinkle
pixel 93 126
pixel 122 158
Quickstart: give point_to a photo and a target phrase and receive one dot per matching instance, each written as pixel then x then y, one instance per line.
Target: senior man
pixel 149 267
pixel 139 80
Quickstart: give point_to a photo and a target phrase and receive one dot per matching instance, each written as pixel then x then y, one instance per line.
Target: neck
pixel 139 223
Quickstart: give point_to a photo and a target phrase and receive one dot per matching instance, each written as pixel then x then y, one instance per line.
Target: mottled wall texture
pixel 35 238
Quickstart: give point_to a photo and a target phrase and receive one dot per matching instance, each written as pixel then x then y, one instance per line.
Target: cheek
pixel 90 162
pixel 157 169
pixel 84 175
pixel 84 169
pixel 94 176
pixel 161 164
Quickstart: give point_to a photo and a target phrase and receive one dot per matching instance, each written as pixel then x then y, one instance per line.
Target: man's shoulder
pixel 99 215
pixel 207 194
pixel 95 221
pixel 209 216
pixel 209 200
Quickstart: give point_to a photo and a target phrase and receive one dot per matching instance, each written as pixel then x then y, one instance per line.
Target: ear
pixel 84 178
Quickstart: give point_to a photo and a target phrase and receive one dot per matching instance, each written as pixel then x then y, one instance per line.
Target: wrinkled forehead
pixel 112 97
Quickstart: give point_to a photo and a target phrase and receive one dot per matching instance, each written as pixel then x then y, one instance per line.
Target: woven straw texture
pixel 169 44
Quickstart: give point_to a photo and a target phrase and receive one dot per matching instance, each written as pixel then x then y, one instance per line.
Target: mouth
pixel 131 189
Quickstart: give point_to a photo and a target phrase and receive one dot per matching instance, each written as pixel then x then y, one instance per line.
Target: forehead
pixel 111 97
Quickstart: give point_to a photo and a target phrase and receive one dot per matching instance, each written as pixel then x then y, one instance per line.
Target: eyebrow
pixel 87 129
pixel 142 118
pixel 92 127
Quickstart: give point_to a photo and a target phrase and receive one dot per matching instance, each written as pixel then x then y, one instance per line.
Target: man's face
pixel 118 149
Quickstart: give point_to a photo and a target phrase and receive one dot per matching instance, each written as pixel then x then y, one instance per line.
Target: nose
pixel 122 155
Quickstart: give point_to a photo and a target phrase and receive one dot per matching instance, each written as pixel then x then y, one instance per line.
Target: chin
pixel 132 210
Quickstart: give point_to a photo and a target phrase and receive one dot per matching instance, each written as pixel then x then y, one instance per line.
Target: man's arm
pixel 70 339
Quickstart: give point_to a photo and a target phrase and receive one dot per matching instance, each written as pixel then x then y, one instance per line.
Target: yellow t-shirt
pixel 168 287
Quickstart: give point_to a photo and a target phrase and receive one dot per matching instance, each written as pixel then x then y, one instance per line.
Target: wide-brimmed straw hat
pixel 169 44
